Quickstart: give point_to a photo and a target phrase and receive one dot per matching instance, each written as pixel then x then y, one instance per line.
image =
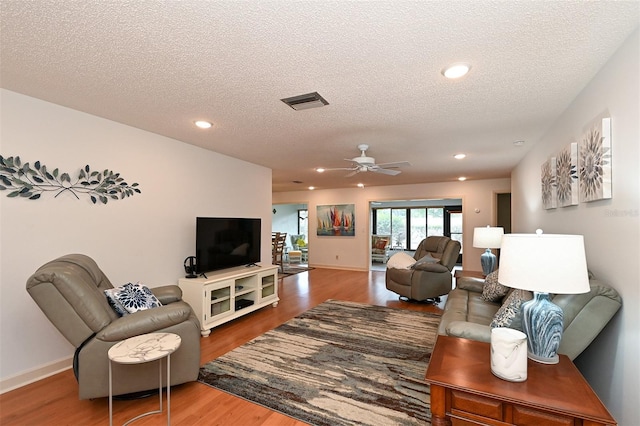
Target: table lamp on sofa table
pixel 543 264
pixel 488 238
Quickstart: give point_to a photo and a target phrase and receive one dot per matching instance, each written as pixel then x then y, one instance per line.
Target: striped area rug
pixel 292 270
pixel 340 363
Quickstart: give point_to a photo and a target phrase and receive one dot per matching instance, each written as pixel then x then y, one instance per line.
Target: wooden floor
pixel 54 400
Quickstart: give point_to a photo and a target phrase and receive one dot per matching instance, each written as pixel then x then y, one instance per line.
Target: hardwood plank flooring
pixel 54 400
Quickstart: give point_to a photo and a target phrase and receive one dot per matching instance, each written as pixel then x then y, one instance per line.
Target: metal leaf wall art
pixel 26 181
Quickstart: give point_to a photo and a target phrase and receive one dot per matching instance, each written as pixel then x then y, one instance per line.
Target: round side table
pixel 141 349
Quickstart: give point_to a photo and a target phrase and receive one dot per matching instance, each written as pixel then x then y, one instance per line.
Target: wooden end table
pixel 465 392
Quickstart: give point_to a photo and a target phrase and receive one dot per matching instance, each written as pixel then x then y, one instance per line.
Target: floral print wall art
pixel 581 171
pixel 594 168
pixel 567 175
pixel 548 180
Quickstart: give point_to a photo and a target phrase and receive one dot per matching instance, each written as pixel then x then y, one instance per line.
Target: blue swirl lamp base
pixel 543 325
pixel 488 261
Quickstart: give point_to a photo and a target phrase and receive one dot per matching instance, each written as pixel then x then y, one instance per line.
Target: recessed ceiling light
pixel 462 178
pixel 320 169
pixel 361 185
pixel 459 156
pixel 203 124
pixel 311 188
pixel 519 143
pixel 456 70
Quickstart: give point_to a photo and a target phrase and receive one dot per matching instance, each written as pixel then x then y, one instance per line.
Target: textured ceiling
pixel 160 65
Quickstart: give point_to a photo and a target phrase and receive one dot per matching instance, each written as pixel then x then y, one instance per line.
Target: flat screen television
pixel 225 242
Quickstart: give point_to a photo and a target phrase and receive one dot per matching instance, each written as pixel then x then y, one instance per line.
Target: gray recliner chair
pixel 427 279
pixel 70 292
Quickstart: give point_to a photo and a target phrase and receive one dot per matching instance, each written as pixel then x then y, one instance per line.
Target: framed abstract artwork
pixel 336 220
pixel 567 176
pixel 548 181
pixel 594 167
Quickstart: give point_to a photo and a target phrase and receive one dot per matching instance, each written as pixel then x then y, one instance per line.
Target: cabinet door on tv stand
pixel 269 286
pixel 218 300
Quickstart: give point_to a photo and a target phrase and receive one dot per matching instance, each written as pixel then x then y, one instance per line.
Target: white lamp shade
pixel 548 263
pixel 487 237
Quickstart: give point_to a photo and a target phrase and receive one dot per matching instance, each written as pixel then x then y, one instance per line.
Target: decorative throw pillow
pixel 381 244
pixel 131 298
pixel 114 302
pixel 400 260
pixel 493 291
pixel 425 259
pixel 510 313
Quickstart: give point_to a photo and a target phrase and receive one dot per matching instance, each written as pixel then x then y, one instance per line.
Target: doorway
pixel 293 219
pixel 408 222
pixel 503 211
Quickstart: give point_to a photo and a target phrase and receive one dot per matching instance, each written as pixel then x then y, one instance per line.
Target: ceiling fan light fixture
pixel 306 101
pixel 364 163
pixel 456 70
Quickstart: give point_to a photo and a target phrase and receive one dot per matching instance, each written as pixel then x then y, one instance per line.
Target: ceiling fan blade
pixel 396 164
pixel 364 163
pixel 385 171
pixel 340 168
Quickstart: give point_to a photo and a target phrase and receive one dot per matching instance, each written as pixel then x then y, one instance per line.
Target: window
pixel 382 221
pixel 399 228
pixel 418 227
pixel 435 221
pixel 408 226
pixel 453 220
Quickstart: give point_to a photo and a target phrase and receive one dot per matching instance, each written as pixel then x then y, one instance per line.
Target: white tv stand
pixel 230 293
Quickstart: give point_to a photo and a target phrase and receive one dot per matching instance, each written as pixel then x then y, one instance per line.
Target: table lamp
pixel 543 264
pixel 488 238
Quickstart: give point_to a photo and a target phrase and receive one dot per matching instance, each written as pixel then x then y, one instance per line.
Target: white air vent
pixel 310 100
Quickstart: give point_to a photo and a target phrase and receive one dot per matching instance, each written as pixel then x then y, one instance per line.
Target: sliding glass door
pixel 408 226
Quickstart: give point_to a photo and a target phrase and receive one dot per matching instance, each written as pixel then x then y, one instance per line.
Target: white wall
pixel 611 227
pixel 142 238
pixel 353 252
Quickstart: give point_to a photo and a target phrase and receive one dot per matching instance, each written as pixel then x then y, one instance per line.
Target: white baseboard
pixel 342 268
pixel 35 374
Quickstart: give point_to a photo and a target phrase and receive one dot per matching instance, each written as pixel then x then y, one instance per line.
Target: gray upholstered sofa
pixel 468 315
pixel 70 292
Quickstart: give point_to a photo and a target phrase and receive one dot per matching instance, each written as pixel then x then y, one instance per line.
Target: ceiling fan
pixel 368 164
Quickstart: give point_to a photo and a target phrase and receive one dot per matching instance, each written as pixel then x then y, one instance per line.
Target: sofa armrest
pixel 585 316
pixel 430 267
pixel 470 284
pixel 469 330
pixel 147 321
pixel 167 294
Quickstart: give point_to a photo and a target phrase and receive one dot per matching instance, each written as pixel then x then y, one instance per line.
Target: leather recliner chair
pixel 427 279
pixel 70 292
